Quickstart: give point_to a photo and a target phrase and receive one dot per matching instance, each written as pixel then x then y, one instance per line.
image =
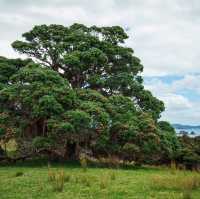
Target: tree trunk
pixel 70 151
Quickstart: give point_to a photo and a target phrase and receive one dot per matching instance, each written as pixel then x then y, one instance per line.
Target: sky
pixel 165 35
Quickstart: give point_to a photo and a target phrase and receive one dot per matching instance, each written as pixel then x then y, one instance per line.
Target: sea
pixel 189 131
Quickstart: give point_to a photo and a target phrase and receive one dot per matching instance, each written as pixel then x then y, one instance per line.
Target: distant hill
pixel 181 126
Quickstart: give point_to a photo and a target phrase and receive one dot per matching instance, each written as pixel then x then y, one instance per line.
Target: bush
pixel 19 173
pixel 42 142
pixel 130 151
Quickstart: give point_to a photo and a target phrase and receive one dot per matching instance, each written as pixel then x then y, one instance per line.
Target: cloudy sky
pixel 165 35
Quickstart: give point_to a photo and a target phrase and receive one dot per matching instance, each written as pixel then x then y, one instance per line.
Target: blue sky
pixel 163 34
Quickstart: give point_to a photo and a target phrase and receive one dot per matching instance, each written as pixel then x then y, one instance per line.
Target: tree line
pixel 81 89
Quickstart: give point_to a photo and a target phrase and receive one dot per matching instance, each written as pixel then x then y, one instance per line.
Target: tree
pixel 44 110
pixel 189 152
pixel 33 96
pixel 8 67
pixel 82 90
pixel 132 134
pixel 84 125
pixel 170 144
pixel 91 57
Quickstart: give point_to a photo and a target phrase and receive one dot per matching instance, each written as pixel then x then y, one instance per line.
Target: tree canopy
pixel 91 57
pixel 82 89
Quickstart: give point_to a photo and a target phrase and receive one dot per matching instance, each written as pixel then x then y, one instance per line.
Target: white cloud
pixel 179 108
pixel 158 87
pixel 175 102
pixel 164 34
pixel 190 82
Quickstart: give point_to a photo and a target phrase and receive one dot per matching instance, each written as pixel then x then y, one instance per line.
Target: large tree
pixel 42 112
pixel 81 89
pixel 91 57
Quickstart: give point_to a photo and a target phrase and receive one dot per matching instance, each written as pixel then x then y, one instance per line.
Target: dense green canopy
pixel 82 90
pixel 91 57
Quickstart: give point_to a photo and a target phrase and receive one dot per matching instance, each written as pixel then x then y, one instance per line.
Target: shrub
pixel 42 142
pixel 130 151
pixel 19 173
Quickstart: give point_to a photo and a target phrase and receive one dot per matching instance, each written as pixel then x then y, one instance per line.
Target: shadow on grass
pixel 38 163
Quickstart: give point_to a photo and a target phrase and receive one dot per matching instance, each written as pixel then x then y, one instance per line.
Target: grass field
pixel 66 181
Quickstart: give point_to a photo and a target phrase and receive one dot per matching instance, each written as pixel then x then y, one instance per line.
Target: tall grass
pixel 187 194
pixel 58 183
pixel 57 179
pixel 112 175
pixel 51 175
pixel 173 167
pixel 178 182
pixel 104 180
pixel 83 162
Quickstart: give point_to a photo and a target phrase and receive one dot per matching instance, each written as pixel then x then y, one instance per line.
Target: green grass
pixel 98 183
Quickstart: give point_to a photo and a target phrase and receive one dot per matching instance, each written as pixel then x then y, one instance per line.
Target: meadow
pixel 71 181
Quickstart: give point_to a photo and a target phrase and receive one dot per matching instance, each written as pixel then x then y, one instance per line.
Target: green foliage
pixel 3 117
pixel 79 119
pixel 149 103
pixel 35 93
pixel 130 151
pixel 9 67
pixel 2 132
pixel 19 173
pixel 91 57
pixel 34 96
pixel 189 152
pixel 42 142
pixel 86 93
pixel 169 142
